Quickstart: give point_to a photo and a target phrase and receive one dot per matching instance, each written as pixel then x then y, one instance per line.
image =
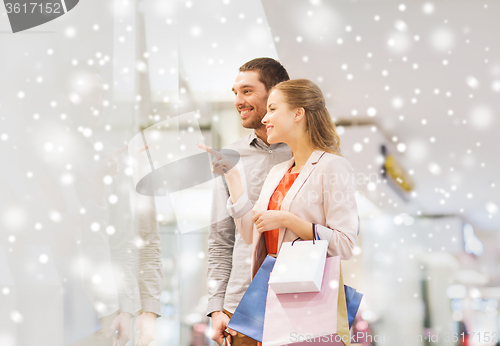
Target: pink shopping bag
pixel 315 318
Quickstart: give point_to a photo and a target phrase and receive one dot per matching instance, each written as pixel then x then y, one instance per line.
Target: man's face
pixel 251 99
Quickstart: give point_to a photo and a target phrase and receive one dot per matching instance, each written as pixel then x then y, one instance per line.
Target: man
pixel 229 257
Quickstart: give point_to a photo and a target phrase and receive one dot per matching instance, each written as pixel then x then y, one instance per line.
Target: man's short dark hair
pixel 271 72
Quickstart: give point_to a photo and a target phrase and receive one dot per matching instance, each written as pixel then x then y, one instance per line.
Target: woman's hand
pixel 221 165
pixel 269 220
pixel 273 219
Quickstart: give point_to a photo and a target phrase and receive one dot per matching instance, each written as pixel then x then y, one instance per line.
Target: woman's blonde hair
pixel 319 125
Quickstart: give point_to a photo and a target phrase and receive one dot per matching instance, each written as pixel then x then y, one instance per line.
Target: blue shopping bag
pixel 248 319
pixel 353 300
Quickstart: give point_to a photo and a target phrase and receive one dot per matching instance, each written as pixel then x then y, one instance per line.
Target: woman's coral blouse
pixel 271 237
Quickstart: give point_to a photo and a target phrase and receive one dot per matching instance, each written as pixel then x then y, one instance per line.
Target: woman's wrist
pixel 287 219
pixel 234 184
pixel 232 174
pixel 297 225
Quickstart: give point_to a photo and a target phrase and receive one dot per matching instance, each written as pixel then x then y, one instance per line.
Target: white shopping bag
pixel 299 267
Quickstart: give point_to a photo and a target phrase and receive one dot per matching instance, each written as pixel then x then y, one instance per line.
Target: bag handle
pixel 315 234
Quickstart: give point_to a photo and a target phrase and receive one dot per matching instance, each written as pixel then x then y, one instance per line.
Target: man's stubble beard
pixel 255 123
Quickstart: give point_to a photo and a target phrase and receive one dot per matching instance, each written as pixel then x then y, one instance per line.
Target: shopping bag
pixel 299 267
pixel 248 319
pixel 353 300
pixel 309 318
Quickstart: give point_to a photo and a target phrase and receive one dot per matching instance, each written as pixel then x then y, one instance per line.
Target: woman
pixel 312 193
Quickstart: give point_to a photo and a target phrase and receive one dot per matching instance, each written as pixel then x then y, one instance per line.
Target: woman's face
pixel 279 119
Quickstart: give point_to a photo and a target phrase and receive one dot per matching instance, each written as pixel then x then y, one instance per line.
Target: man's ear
pixel 300 114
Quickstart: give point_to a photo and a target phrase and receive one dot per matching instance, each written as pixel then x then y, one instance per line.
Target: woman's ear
pixel 300 114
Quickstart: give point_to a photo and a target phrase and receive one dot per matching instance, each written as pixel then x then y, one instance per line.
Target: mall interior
pixel 413 88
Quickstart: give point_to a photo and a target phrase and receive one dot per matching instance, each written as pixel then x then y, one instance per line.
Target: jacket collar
pixel 301 178
pixel 298 183
pixel 275 179
pixel 272 183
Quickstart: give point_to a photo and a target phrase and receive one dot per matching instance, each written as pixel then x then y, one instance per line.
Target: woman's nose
pixel 264 120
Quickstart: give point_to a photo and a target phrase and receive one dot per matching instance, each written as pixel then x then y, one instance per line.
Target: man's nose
pixel 238 101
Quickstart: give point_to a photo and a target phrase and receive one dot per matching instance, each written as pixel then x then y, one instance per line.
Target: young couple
pixel 312 192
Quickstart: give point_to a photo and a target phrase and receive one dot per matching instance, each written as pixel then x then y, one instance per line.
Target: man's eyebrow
pixel 243 87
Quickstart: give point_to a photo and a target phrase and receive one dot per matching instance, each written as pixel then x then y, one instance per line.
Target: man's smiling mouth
pixel 245 112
